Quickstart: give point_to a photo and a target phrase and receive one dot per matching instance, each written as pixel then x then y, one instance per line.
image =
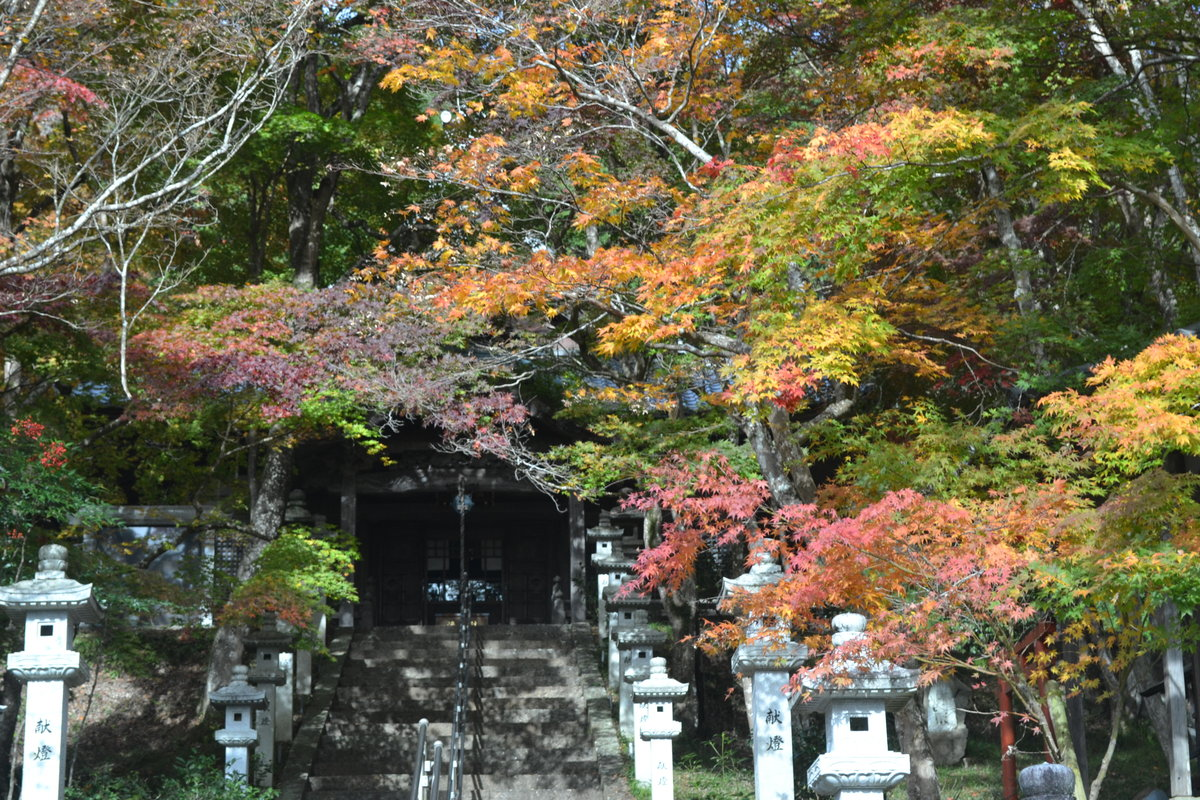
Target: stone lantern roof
pixel 627 602
pixel 613 563
pixel 605 531
pixel 239 692
pixel 268 636
pixel 870 680
pixel 51 590
pixel 765 572
pixel 659 686
pixel 632 638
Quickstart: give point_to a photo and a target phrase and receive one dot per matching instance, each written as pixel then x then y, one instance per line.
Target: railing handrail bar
pixel 419 761
pixel 458 730
pixel 461 693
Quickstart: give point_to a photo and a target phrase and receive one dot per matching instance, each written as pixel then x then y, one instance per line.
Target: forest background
pixel 894 290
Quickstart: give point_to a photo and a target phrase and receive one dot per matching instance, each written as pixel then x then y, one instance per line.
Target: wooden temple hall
pixel 405 517
pixel 525 550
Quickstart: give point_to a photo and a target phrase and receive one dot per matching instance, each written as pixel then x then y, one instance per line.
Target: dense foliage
pixel 888 290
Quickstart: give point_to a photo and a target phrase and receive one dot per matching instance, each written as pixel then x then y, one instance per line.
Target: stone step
pixel 389 685
pixel 434 697
pixel 506 734
pixel 357 759
pixel 488 633
pixel 556 786
pixel 387 669
pixel 501 653
pixel 528 739
pixel 563 764
pixel 514 710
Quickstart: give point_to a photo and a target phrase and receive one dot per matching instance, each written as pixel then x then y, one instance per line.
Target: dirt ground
pixel 136 724
pixel 140 715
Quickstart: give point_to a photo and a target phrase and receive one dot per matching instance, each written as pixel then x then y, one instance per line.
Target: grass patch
pixel 722 768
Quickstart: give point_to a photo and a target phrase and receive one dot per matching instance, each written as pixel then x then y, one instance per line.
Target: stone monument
pixel 946 721
pixel 766 662
pixel 857 763
pixel 49 606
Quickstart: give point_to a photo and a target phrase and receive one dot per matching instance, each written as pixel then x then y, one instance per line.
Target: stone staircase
pixel 531 725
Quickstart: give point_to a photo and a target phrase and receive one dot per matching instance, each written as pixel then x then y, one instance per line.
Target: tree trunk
pixel 1056 703
pixel 1142 676
pixel 680 610
pixel 10 178
pixel 780 458
pixel 308 206
pixel 8 727
pixel 922 777
pixel 266 515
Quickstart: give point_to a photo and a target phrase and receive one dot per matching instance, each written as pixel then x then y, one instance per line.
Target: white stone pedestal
pixel 49 606
pixel 285 698
pixel 769 666
pixel 45 766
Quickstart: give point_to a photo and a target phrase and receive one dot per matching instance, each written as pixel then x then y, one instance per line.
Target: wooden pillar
pixel 349 516
pixel 348 522
pixel 578 582
pixel 1008 740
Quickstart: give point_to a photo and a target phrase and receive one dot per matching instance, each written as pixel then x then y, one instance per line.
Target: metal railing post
pixel 419 760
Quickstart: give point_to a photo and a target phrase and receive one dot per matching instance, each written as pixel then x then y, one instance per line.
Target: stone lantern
pixel 656 727
pixel 265 674
pixel 240 700
pixel 766 662
pixel 49 605
pixel 297 513
pixel 614 570
pixel 603 536
pixel 635 647
pixel 857 763
pixel 272 661
pixel 624 613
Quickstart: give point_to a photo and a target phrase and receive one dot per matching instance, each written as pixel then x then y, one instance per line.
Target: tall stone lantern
pixel 267 645
pixel 766 662
pixel 50 605
pixel 857 763
pixel 603 536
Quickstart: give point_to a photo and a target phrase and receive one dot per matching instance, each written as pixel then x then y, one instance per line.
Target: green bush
pixel 196 778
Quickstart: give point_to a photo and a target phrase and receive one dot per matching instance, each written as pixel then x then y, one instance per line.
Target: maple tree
pixel 853 245
pixel 950 584
pixel 819 260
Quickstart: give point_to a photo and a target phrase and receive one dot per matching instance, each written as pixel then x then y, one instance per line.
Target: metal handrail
pixel 414 792
pixel 457 757
pixel 422 766
pixel 462 683
pixel 461 690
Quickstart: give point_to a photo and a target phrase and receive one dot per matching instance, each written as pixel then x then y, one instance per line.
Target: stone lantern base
pixel 835 774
